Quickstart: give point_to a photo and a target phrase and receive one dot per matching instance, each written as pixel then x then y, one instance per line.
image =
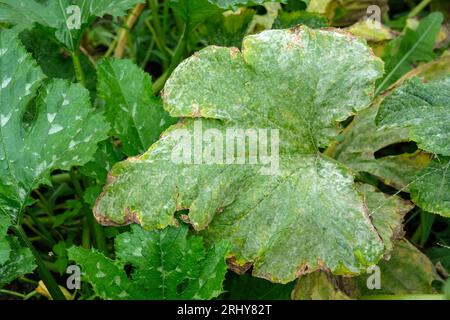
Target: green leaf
pixel 318 286
pixel 166 264
pixel 370 32
pixel 246 287
pixel 285 80
pixel 408 271
pixel 447 289
pixel 430 191
pixel 294 18
pixel 422 108
pixel 58 15
pixel 53 60
pixel 387 213
pixel 4 244
pixel 416 45
pixel 194 12
pixel 136 116
pixel 440 254
pixel 59 131
pixel 20 262
pixel 104 158
pixel 362 140
pixel 227 30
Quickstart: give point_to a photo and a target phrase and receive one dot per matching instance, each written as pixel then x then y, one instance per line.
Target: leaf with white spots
pixel 167 264
pixel 20 261
pixel 300 83
pixel 67 19
pixel 423 109
pixel 63 132
pixel 136 116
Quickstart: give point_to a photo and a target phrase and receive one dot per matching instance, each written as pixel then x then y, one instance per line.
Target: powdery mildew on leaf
pixel 309 216
pixel 423 109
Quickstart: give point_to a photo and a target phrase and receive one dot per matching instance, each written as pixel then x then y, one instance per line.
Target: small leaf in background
pixel 387 213
pixel 105 157
pixel 60 250
pixel 422 108
pixel 362 144
pixel 63 132
pixel 414 46
pixel 447 289
pixel 318 285
pixel 136 116
pixel 246 287
pixel 376 33
pixel 73 210
pixel 166 264
pixel 294 18
pixel 227 29
pixel 194 12
pixel 20 262
pixel 440 254
pixel 430 190
pixel 408 271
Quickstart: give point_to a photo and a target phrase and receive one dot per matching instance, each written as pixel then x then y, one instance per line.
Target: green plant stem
pixel 418 9
pixel 12 293
pixel 47 241
pixel 78 69
pixel 61 178
pixel 156 38
pixel 177 57
pixel 44 204
pixel 44 273
pixel 154 5
pixel 111 49
pixel 42 228
pixel 166 17
pixel 148 54
pixel 26 280
pixel 85 237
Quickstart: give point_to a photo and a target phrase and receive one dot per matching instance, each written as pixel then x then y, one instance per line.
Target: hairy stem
pixel 78 69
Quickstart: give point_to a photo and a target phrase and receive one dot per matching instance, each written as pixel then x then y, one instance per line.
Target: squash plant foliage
pixel 135 186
